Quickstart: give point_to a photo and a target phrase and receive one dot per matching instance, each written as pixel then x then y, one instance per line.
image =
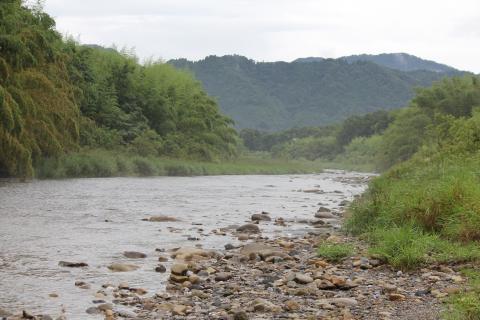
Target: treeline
pixel 58 97
pixel 349 142
pixel 380 139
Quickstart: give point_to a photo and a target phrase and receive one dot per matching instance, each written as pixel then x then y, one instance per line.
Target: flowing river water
pixel 96 220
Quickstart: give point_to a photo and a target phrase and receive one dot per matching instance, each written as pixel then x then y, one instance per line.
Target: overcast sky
pixel 269 30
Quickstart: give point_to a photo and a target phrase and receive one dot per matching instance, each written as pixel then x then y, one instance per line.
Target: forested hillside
pixel 400 61
pixel 57 97
pixel 279 95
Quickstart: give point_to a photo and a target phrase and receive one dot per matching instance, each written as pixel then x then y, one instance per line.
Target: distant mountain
pixel 309 59
pixel 401 61
pixel 280 95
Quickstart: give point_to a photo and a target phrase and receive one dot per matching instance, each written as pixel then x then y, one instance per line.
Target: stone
pixel 194 279
pixel 342 302
pixel 177 278
pixel 93 310
pixel 80 283
pixel 243 237
pixel 179 269
pixel 262 305
pixel 161 219
pixel 438 294
pixel 179 310
pixel 122 267
pixel 105 307
pixel 456 279
pixel 160 268
pixel 451 290
pixel 53 295
pixel 4 313
pixel 127 314
pixel 134 255
pixel 139 291
pixel 292 305
pixel 27 315
pixel 325 215
pixel 192 254
pixel 124 286
pixel 223 276
pixel 260 217
pixel 68 264
pixel 249 228
pixel 162 259
pixel 229 246
pixel 303 278
pixel 396 297
pixel 240 315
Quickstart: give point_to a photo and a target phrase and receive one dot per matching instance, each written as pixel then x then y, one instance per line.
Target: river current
pixel 96 220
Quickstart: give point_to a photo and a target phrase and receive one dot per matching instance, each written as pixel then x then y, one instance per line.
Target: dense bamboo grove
pixel 57 97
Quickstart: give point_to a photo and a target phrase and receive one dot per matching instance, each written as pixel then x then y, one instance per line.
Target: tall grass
pixel 422 210
pixel 102 163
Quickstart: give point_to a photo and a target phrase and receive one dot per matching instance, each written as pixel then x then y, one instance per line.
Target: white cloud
pixel 445 31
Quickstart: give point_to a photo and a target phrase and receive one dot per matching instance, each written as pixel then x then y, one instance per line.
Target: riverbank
pixel 101 163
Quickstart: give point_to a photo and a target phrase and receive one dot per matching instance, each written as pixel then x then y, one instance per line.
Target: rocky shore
pixel 281 278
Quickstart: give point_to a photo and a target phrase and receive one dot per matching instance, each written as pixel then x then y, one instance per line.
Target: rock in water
pixel 161 219
pixel 134 255
pixel 122 267
pixel 249 228
pixel 260 217
pixel 72 264
pixel 325 215
pixel 160 268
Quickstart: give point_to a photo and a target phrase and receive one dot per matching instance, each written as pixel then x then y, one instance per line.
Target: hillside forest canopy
pixel 58 97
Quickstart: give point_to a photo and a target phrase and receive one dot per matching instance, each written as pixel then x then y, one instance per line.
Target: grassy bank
pixel 421 211
pixel 101 163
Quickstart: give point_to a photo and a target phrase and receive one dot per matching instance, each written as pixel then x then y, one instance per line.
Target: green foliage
pixel 363 126
pixel 456 96
pixel 335 251
pixel 403 247
pixel 272 96
pixel 57 96
pixel 362 151
pixel 39 116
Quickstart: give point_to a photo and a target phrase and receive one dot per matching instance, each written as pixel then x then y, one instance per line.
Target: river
pixel 96 220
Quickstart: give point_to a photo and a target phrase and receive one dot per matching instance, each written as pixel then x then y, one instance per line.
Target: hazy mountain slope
pixel 280 95
pixel 401 61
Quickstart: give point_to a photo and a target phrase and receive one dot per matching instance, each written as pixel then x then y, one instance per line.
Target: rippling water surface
pixel 96 220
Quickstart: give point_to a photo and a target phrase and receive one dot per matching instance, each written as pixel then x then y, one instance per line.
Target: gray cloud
pixel 446 31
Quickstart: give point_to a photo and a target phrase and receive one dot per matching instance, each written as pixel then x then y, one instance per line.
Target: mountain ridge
pixel 274 96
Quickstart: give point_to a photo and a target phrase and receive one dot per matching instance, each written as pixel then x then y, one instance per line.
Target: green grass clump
pixel 403 247
pixel 335 251
pixel 465 305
